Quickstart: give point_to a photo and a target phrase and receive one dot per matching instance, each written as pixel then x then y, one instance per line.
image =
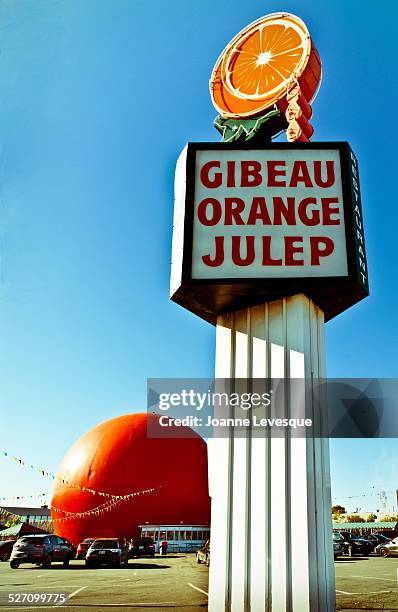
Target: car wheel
pixel 66 562
pixel 14 564
pixel 47 562
pixel 383 552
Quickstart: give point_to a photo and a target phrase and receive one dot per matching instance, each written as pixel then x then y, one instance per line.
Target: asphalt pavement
pixel 177 582
pixel 174 581
pixel 367 583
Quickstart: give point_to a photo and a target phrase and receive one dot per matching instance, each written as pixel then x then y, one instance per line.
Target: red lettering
pixel 290 250
pixel 219 255
pixel 285 210
pixel 267 259
pixel 272 173
pixel 233 208
pixel 216 211
pixel 330 177
pixel 313 219
pixel 258 210
pixel 250 254
pixel 320 247
pixel 204 175
pixel 250 170
pixel 230 174
pixel 328 211
pixel 300 174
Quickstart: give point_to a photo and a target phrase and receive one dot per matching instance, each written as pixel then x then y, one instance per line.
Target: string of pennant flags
pixel 97 511
pixel 101 509
pixel 22 497
pixel 371 494
pixel 66 482
pixel 9 518
pixel 379 492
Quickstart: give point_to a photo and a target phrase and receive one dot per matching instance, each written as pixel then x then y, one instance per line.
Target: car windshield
pixel 31 540
pixel 105 544
pixel 142 541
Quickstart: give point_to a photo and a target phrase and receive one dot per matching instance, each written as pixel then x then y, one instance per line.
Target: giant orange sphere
pixel 117 460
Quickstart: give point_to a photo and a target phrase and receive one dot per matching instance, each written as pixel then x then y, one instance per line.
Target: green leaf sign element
pixel 242 130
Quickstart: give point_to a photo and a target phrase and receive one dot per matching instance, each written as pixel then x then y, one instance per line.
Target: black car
pixel 6 549
pixel 42 549
pixel 354 545
pixel 142 547
pixel 107 551
pixel 377 538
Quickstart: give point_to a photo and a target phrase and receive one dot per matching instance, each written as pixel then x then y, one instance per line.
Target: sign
pixel 256 224
pixel 265 81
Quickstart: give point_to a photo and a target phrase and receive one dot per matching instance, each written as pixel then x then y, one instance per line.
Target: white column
pixel 271 531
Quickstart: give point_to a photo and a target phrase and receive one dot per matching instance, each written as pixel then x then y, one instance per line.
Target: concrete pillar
pixel 271 530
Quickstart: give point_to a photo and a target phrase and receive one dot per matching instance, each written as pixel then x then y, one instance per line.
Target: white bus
pixel 180 538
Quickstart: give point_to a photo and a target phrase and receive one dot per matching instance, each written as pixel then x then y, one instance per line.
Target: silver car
pixel 388 549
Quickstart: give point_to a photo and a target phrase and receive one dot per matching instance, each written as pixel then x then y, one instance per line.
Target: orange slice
pixel 259 65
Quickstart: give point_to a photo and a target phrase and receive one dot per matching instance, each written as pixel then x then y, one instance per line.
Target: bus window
pixel 170 535
pixel 162 535
pixel 200 536
pixel 194 535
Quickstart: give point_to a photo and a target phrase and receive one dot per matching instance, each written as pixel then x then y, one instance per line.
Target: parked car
pixel 42 549
pixel 376 539
pixel 203 554
pixel 388 549
pixel 83 547
pixel 354 545
pixel 142 547
pixel 338 548
pixel 107 551
pixel 6 549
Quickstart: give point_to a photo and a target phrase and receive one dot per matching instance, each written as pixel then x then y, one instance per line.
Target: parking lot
pixel 176 581
pixel 366 583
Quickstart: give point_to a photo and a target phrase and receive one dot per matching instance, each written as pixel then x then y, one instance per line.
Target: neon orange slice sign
pixel 272 64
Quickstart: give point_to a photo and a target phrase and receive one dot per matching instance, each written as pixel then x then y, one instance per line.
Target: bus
pixel 180 538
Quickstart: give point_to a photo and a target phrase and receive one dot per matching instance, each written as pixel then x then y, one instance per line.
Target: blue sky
pixel 96 101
